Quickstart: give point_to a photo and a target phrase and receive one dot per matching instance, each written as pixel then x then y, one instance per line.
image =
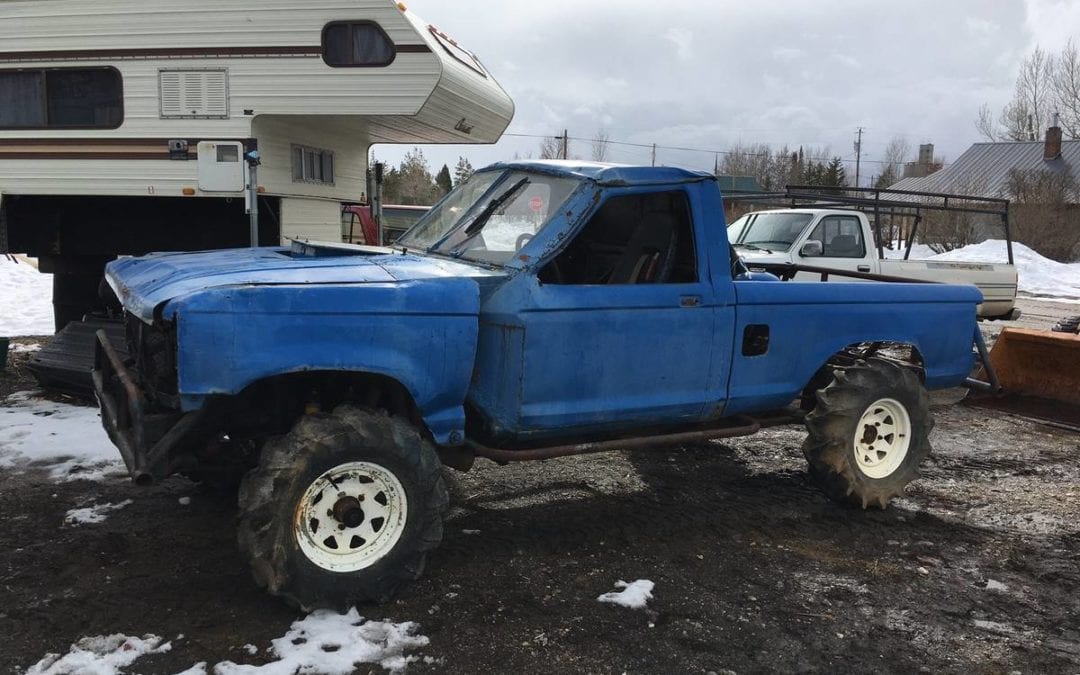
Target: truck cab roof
pixel 605 173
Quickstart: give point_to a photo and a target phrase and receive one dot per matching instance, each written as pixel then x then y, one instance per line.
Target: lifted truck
pixel 540 310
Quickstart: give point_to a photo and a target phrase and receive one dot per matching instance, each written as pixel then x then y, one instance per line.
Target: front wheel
pixel 343 509
pixel 868 433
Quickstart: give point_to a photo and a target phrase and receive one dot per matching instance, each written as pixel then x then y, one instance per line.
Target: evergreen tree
pixel 463 171
pixel 411 183
pixel 834 175
pixel 443 180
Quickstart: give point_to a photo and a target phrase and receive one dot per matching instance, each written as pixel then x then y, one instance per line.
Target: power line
pixel 650 146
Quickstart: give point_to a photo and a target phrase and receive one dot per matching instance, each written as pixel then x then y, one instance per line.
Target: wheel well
pixel 903 353
pixel 271 406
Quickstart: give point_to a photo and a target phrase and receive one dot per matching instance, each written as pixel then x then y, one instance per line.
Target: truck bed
pixel 997 282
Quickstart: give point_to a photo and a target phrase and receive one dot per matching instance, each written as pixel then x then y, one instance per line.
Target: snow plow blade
pixel 1038 363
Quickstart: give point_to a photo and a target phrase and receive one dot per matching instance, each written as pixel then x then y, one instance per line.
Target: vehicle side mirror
pixel 812 249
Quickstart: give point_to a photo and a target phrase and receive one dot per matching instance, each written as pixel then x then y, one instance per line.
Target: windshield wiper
pixel 747 246
pixel 481 218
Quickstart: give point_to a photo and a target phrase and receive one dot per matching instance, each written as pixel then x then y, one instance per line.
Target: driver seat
pixel 649 253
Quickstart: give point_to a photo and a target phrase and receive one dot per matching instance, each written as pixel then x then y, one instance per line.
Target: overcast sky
pixel 709 74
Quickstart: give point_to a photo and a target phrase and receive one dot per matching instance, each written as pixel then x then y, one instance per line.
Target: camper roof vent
pixel 194 93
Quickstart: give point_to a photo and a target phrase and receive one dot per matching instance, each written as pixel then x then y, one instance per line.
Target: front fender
pixel 421 333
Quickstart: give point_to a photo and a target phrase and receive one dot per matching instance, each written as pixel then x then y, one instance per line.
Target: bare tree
pixel 600 146
pixel 1067 89
pixel 551 147
pixel 1043 211
pixel 947 230
pixel 1035 94
pixel 984 124
pixel 895 156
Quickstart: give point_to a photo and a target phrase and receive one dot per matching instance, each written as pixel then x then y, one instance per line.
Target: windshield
pixel 491 216
pixel 768 231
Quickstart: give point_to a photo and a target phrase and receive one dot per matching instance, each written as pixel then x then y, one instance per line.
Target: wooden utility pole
pixel 654 154
pixel 858 154
pixel 565 144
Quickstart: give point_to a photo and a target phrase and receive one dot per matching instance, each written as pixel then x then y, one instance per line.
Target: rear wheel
pixel 868 433
pixel 343 509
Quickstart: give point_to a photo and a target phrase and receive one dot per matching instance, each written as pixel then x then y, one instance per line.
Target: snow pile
pixel 67 439
pixel 25 300
pixel 100 655
pixel 329 643
pixel 24 349
pixel 1038 275
pixel 95 513
pixel 634 595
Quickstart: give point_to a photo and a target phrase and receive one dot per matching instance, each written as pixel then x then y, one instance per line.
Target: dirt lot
pixel 977 569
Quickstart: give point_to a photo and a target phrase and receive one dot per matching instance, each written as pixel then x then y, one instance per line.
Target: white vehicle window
pixel 770 231
pixel 840 237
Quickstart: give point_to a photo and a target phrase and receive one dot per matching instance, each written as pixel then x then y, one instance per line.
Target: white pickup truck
pixel 842 240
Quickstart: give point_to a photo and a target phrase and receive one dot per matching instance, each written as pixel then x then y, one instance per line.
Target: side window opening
pixel 840 237
pixel 356 44
pixel 73 98
pixel 631 239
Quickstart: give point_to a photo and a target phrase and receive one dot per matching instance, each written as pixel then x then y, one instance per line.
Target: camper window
pixel 90 98
pixel 356 43
pixel 311 165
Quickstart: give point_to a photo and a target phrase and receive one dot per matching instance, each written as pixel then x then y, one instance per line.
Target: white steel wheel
pixel 351 517
pixel 882 438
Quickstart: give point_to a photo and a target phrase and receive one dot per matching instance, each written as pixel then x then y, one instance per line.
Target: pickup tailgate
pixel 997 282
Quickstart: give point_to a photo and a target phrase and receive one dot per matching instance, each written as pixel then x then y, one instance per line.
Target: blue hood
pixel 143 284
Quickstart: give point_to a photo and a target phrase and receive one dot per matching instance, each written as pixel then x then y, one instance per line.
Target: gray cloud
pixel 709 74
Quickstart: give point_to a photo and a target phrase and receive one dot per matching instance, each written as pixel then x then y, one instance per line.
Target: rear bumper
pixel 147 442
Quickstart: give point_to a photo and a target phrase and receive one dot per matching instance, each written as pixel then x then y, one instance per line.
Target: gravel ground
pixel 976 569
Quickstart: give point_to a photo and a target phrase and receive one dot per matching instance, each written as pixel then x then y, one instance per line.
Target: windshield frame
pixel 499 193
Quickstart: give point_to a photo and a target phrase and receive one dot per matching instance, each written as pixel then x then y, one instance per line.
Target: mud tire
pixel 833 426
pixel 272 493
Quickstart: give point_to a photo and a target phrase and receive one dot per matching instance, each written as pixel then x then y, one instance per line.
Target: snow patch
pixel 100 655
pixel 634 595
pixel 329 643
pixel 1039 276
pixel 66 439
pixel 95 513
pixel 24 349
pixel 197 669
pixel 993 585
pixel 994 627
pixel 251 649
pixel 25 300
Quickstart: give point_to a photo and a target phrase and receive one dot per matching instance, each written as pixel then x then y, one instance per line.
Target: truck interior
pixel 631 239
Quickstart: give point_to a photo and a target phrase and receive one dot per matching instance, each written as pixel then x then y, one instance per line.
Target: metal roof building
pixel 984 168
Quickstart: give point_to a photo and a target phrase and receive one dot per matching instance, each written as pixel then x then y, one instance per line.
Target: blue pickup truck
pixel 541 309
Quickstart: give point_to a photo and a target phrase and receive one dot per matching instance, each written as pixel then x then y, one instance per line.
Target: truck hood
pixel 143 284
pixel 751 257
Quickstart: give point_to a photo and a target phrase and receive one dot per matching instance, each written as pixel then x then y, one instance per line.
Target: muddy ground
pixel 754 569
